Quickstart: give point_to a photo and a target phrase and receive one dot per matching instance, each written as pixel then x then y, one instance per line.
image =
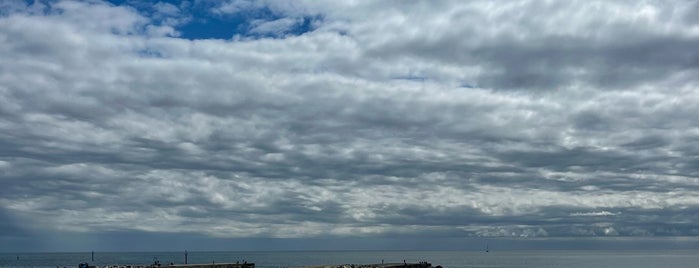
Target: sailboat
pixel 486 248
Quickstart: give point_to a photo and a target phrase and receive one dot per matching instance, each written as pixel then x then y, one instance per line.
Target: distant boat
pixel 486 248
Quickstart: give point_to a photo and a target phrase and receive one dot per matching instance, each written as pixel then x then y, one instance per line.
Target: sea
pixel 446 259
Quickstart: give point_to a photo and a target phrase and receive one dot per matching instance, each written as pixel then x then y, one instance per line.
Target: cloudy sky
pixel 369 124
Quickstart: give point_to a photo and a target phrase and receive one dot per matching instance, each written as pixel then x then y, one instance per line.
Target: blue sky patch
pixel 199 20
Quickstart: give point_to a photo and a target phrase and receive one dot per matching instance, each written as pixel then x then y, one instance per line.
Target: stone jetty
pixel 383 265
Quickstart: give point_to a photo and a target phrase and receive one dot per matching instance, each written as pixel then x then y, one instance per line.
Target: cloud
pixel 578 123
pixel 275 27
pixel 596 213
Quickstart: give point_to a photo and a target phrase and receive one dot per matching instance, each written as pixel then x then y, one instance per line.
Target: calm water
pixel 448 259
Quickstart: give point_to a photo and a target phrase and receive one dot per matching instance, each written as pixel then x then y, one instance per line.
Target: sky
pixel 279 125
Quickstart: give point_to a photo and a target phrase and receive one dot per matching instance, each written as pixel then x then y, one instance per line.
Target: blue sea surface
pixel 447 259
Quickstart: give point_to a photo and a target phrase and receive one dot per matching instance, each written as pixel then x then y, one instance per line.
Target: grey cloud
pixel 311 136
pixel 520 51
pixel 647 142
pixel 552 63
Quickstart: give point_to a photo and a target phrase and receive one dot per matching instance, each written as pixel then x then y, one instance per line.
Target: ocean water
pixel 447 259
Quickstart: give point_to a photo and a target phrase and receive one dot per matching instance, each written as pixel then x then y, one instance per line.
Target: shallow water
pixel 447 259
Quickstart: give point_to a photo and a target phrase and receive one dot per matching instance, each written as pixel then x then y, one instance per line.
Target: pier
pixel 200 265
pixel 252 265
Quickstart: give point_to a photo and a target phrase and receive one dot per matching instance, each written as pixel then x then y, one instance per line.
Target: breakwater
pixel 383 265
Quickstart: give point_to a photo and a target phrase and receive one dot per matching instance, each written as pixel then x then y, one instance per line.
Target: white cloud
pixel 594 213
pixel 275 27
pixel 167 9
